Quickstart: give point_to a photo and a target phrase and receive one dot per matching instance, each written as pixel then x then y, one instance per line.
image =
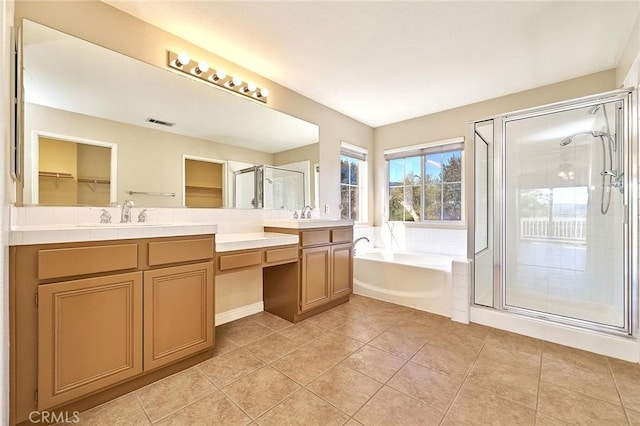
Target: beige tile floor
pixel 374 363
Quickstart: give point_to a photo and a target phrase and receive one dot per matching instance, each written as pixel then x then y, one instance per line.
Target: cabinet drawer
pixel 281 255
pixel 67 262
pixel 164 252
pixel 343 235
pixel 240 260
pixel 312 238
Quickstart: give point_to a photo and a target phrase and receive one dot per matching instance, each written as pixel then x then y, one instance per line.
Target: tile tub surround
pixel 411 367
pixel 460 297
pixel 420 238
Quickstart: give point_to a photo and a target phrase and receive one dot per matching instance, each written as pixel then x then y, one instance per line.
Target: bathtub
pixel 417 280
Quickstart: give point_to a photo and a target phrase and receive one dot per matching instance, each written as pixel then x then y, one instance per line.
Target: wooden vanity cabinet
pixel 315 277
pixel 93 320
pixel 89 335
pixel 341 270
pixel 178 313
pixel 325 276
pixel 326 267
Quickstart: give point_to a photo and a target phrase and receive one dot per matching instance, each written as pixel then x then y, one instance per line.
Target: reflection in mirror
pixel 83 91
pixel 269 187
pixel 203 182
pixel 73 172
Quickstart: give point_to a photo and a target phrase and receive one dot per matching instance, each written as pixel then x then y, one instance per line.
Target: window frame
pixel 422 150
pixel 359 154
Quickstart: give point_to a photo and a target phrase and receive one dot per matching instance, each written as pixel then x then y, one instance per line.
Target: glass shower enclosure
pixel 268 187
pixel 554 220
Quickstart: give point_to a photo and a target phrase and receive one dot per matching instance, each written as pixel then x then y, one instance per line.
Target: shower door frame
pixel 629 128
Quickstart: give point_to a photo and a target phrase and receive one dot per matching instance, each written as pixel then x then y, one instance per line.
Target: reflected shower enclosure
pixel 552 235
pixel 268 187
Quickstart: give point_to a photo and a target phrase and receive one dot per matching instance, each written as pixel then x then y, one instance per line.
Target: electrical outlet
pixel 326 209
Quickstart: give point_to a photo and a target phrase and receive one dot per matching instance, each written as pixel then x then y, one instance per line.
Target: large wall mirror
pixel 166 140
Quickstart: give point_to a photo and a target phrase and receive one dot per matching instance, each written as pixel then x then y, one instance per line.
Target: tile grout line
pixel 236 404
pixel 464 379
pixel 615 382
pixel 392 376
pixel 365 344
pixel 137 393
pixel 535 420
pixel 142 406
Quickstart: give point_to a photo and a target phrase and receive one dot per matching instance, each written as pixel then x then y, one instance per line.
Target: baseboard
pixel 237 313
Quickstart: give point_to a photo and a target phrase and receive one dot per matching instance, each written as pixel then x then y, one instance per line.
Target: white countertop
pixel 250 240
pixel 307 223
pixel 46 234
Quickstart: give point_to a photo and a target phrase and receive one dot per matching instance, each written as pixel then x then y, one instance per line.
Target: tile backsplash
pixel 228 220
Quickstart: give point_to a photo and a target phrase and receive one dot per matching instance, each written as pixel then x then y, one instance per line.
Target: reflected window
pixel 353 184
pixel 554 214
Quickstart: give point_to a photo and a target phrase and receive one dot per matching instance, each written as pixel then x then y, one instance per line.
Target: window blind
pixel 418 150
pixel 353 152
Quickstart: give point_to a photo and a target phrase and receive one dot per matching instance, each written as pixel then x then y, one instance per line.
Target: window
pixel 353 180
pixel 425 183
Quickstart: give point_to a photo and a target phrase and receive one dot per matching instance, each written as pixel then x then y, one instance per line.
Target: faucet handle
pixel 105 217
pixel 295 214
pixel 142 216
pixel 309 213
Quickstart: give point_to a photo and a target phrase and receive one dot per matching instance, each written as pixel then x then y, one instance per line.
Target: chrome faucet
pixel 308 210
pixel 356 241
pixel 125 216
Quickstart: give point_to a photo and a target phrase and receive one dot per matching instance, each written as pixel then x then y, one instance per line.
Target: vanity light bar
pixel 218 77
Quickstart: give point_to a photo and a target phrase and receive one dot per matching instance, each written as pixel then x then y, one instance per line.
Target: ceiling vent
pixel 160 122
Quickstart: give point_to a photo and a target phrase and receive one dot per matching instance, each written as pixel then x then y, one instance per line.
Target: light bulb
pixel 202 67
pixel 183 59
pixel 235 81
pixel 264 92
pixel 219 75
pixel 249 88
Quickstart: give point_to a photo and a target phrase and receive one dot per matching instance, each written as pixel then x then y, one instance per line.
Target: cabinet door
pixel 89 335
pixel 178 313
pixel 315 278
pixel 341 269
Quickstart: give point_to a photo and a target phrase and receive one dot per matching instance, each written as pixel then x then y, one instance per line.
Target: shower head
pixel 566 141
